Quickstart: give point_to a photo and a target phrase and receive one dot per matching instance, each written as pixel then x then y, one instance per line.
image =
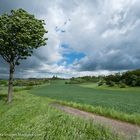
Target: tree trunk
pixel 10 86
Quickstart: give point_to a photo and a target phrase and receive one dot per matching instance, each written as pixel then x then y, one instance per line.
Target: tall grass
pixel 31 117
pixel 131 118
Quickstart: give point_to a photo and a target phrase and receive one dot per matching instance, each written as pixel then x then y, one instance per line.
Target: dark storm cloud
pixel 126 56
pixel 33 6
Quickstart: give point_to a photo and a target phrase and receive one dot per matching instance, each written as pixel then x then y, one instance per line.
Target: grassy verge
pixel 131 118
pixel 31 117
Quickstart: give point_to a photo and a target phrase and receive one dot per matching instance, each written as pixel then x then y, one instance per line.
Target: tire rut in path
pixel 125 129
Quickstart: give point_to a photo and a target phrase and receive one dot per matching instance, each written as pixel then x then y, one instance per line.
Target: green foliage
pixel 122 85
pixel 25 82
pixel 101 82
pixel 121 100
pixel 132 78
pixel 20 33
pixel 129 78
pixel 84 79
pixel 30 82
pixel 110 83
pixel 30 117
pixel 56 78
pixel 90 78
pixel 66 82
pixel 3 82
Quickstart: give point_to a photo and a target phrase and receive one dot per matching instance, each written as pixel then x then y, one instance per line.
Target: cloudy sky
pixel 85 37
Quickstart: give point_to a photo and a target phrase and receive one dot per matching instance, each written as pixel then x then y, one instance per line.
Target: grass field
pixel 123 104
pixel 30 117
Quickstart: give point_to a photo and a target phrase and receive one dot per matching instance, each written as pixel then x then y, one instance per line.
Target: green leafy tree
pixel 20 34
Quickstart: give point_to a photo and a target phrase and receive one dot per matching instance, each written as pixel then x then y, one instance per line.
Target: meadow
pixel 114 102
pixel 29 117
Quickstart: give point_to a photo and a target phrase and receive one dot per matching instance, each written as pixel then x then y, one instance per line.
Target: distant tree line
pixel 129 78
pixel 29 81
pixel 25 82
pixel 78 80
pixel 56 78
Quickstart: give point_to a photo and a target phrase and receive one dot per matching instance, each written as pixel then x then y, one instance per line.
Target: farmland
pixel 114 102
pixel 31 117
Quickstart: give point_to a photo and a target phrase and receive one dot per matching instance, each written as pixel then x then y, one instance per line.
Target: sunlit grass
pixel 31 117
pixel 132 118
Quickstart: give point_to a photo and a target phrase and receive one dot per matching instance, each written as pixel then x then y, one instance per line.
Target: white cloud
pixel 107 32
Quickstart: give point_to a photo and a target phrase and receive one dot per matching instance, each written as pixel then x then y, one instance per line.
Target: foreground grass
pixel 122 104
pixel 31 117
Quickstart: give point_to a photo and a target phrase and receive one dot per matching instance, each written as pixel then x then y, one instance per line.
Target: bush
pixel 134 83
pixel 66 82
pixel 28 87
pixel 110 83
pixel 129 78
pixel 101 82
pixel 122 85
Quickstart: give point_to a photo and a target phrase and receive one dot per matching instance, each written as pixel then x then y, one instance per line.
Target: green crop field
pixel 125 100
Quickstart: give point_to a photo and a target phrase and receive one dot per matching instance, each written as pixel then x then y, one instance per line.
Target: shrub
pixel 101 82
pixel 28 87
pixel 122 85
pixel 110 83
pixel 66 82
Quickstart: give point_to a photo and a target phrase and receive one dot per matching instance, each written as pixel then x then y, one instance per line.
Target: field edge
pixel 107 112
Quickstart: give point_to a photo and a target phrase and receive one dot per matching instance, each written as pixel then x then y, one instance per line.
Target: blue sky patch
pixel 65 46
pixel 70 57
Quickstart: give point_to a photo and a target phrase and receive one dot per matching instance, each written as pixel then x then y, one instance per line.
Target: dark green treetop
pixel 20 33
